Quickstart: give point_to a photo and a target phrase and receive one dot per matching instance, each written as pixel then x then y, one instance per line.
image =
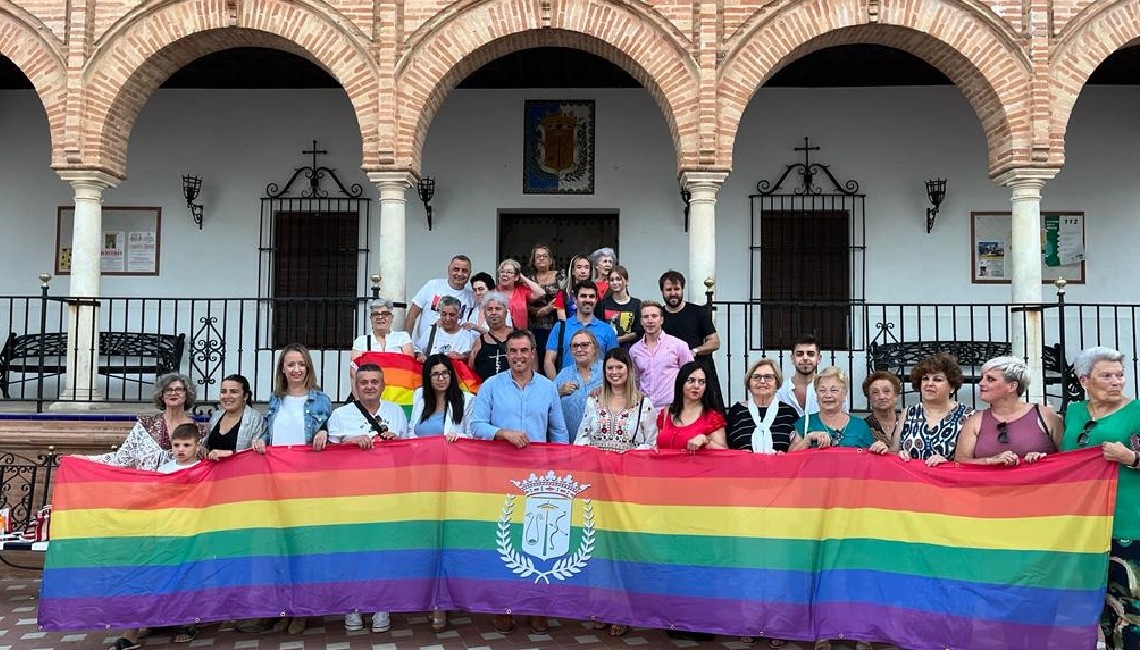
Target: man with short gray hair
pixel 446 336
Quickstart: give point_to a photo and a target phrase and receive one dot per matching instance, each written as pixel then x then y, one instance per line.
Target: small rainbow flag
pixel 402 376
pixel 811 545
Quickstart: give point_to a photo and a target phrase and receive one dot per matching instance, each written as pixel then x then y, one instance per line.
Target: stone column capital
pixel 1027 177
pixel 88 180
pixel 393 180
pixel 703 180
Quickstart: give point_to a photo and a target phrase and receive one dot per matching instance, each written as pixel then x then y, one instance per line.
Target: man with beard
pixel 693 325
pixel 558 344
pixel 798 390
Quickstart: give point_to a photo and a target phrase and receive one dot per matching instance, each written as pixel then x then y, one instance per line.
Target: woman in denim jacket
pixel 298 410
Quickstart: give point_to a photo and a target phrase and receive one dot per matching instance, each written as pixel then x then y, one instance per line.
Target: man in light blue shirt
pixel 520 406
pixel 586 297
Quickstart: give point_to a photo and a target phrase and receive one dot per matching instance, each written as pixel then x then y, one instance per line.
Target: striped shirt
pixel 740 426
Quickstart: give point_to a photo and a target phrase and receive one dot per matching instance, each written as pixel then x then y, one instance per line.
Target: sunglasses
pixel 1003 432
pixel 1083 436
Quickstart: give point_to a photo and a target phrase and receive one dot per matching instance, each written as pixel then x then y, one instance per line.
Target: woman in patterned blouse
pixel 928 431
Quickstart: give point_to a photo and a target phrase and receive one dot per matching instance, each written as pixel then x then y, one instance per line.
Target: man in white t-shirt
pixel 424 310
pixel 446 336
pixel 365 421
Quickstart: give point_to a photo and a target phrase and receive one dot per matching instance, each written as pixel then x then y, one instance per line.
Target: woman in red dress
pixel 692 421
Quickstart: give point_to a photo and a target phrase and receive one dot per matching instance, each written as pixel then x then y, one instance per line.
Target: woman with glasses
pixel 831 426
pixel 148 444
pixel 382 338
pixel 761 423
pixel 576 381
pixel 1111 421
pixel 693 420
pixel 1011 429
pixel 928 431
pixel 541 316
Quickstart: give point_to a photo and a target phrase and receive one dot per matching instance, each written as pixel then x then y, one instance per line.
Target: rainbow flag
pixel 812 545
pixel 402 376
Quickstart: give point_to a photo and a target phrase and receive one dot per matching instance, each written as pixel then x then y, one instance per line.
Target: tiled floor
pixel 18 631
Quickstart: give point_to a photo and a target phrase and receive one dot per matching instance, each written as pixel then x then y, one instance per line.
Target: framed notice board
pixel 1062 246
pixel 129 243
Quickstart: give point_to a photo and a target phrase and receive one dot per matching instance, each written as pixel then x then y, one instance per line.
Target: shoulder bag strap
pixel 377 427
pixel 431 339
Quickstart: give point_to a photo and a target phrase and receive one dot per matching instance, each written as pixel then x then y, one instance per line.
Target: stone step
pixel 34 436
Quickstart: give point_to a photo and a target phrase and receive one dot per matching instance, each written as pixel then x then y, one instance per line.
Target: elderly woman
pixel 541 316
pixel 882 390
pixel 603 260
pixel 1112 421
pixel 519 289
pixel 831 426
pixel 761 423
pixel 235 425
pixel 148 444
pixel 1011 429
pixel 929 430
pixel 576 381
pixel 693 420
pixel 489 352
pixel 382 338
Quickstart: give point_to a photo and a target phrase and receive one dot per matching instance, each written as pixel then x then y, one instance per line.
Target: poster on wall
pixel 1062 246
pixel 558 146
pixel 128 244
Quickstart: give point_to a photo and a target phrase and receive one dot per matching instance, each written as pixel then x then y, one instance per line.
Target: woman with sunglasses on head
pixel 1111 420
pixel 928 431
pixel 576 381
pixel 1011 429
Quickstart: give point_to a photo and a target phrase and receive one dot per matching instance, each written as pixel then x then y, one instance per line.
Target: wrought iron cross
pixel 807 148
pixel 322 152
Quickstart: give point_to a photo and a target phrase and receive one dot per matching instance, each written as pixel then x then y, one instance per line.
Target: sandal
pixel 123 643
pixel 776 643
pixel 619 630
pixel 598 625
pixel 748 640
pixel 186 634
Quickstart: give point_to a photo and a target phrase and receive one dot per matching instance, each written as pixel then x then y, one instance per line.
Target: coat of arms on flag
pixel 558 147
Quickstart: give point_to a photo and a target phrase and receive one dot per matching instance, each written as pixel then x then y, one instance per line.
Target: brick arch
pixel 995 76
pixel 494 28
pixel 31 48
pixel 136 58
pixel 1078 55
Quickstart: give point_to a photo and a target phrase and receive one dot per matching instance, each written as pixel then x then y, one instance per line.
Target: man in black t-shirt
pixel 693 325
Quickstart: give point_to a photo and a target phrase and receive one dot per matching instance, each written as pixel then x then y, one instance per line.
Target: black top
pixel 223 441
pixel 623 318
pixel 692 324
pixel 492 356
pixel 740 426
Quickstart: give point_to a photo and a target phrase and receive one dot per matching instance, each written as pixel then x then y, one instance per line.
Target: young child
pixel 184 446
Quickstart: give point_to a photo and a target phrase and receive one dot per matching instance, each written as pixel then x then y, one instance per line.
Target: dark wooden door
pixel 566 234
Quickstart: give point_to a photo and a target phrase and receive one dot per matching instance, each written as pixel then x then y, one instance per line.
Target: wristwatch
pixel 1136 461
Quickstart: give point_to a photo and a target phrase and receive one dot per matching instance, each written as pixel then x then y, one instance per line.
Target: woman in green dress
pixel 1111 421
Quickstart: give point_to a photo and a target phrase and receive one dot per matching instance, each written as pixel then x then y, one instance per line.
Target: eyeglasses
pixel 382 314
pixel 1083 436
pixel 764 377
pixel 580 346
pixel 440 375
pixel 173 391
pixel 1003 432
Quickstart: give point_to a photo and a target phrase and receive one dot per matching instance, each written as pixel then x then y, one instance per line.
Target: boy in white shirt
pixel 184 447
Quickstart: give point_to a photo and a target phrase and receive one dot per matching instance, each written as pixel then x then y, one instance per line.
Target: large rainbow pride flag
pixel 811 545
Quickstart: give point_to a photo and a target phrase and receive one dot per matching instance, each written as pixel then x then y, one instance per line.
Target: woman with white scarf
pixel 761 423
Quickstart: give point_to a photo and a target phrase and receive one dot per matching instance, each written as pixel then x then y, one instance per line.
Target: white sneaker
pixel 381 622
pixel 353 622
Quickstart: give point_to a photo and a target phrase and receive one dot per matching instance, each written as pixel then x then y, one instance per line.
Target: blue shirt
pixel 601 330
pixel 534 409
pixel 574 404
pixel 432 426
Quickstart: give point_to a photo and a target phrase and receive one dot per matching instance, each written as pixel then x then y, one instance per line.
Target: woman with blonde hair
pixel 542 310
pixel 576 381
pixel 618 417
pixel 519 289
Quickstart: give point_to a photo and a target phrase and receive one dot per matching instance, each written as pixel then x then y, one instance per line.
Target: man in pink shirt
pixel 657 356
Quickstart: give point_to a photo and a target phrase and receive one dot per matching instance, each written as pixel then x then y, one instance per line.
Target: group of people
pixel 656 389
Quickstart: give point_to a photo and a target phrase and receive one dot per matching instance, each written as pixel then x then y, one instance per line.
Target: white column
pixel 1025 268
pixel 391 251
pixel 81 390
pixel 702 186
